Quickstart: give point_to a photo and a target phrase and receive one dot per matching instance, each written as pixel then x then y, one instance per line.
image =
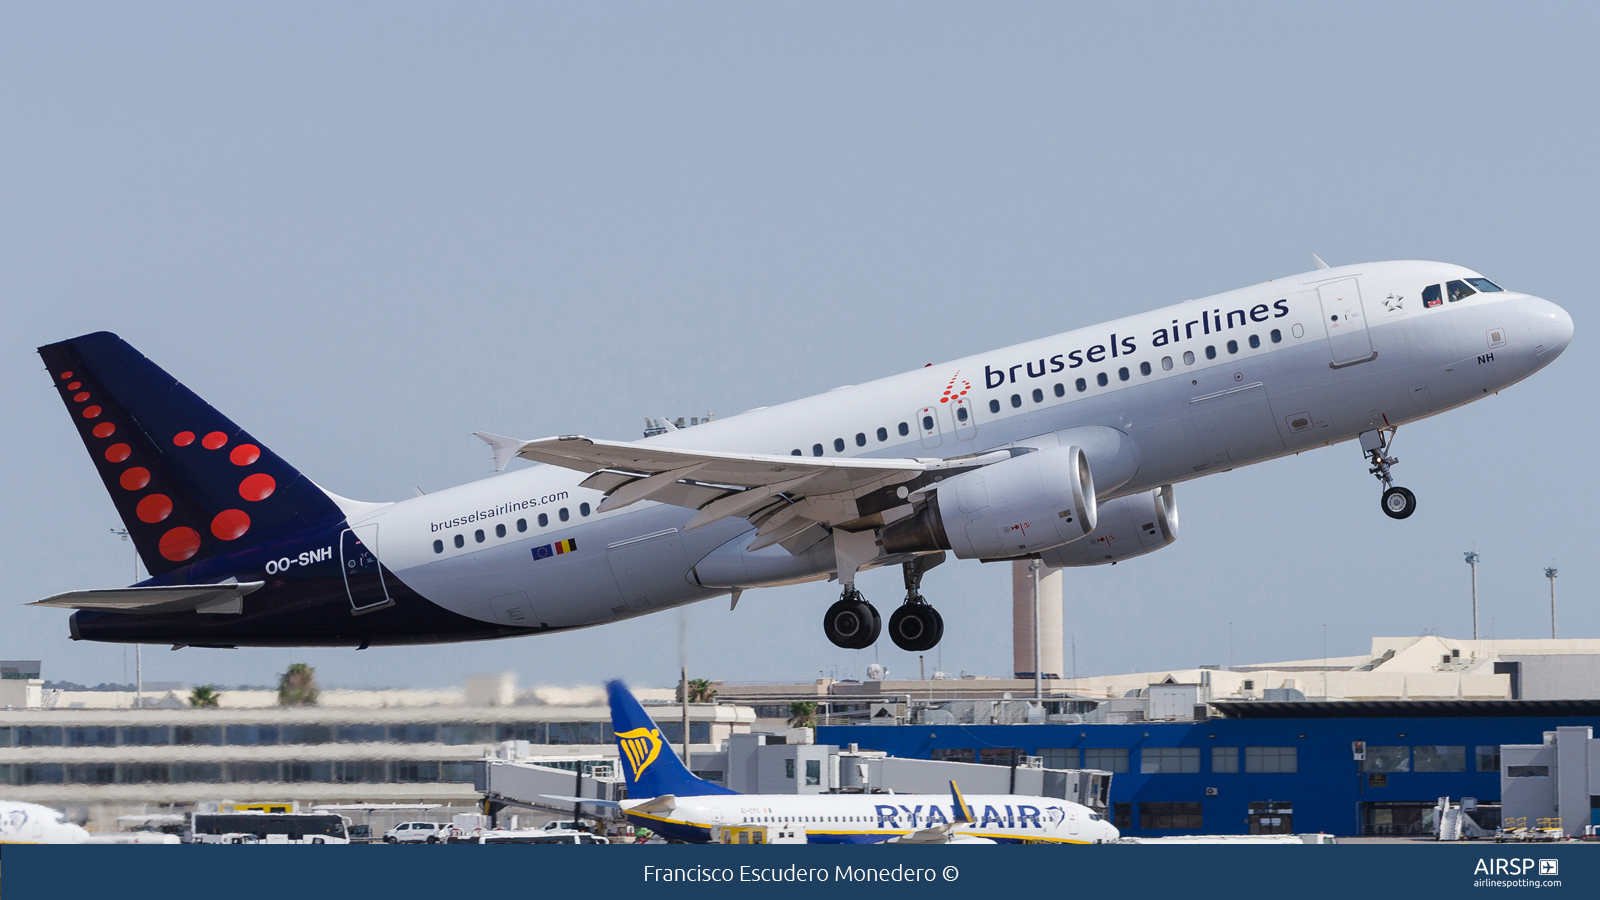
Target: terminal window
pixel 1387 759
pixel 1109 759
pixel 1489 758
pixel 1169 760
pixel 1440 759
pixel 954 754
pixel 1163 815
pixel 814 771
pixel 1271 759
pixel 1059 757
pixel 1225 759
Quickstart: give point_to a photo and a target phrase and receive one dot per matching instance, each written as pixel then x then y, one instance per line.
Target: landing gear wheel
pixel 915 627
pixel 1399 503
pixel 852 623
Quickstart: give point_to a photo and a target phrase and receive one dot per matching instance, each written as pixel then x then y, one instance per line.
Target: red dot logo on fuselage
pixel 951 391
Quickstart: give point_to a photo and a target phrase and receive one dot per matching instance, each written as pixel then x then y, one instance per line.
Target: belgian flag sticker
pixel 559 547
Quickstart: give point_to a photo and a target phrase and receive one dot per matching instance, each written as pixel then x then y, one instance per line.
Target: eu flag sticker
pixel 549 550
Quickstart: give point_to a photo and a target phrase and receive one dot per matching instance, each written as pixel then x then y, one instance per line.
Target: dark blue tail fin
pixel 188 483
pixel 647 759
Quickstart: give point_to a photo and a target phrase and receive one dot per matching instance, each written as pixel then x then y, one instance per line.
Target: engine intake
pixel 1013 508
pixel 1129 526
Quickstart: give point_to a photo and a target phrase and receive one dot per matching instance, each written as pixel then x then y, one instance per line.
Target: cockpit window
pixel 1485 285
pixel 1431 297
pixel 1458 290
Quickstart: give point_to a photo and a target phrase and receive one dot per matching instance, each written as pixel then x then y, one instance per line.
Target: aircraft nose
pixel 1551 327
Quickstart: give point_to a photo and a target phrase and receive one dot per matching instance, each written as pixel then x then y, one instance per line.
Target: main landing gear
pixel 1398 503
pixel 854 624
pixel 916 626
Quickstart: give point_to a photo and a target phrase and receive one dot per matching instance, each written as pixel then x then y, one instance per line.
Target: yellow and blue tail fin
pixel 651 767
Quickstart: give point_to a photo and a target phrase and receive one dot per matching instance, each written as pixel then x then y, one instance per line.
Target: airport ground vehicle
pixel 415 833
pixel 268 828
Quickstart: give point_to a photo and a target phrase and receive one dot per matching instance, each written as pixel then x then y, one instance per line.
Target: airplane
pixel 1065 449
pixel 30 823
pixel 669 800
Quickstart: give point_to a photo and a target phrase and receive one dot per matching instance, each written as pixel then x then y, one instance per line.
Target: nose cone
pixel 1550 326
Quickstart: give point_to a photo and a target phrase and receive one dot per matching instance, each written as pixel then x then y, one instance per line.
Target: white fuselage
pixel 30 823
pixel 1201 387
pixel 872 818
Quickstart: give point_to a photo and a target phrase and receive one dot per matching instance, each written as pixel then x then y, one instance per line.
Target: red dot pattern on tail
pixel 214 440
pixel 154 508
pixel 180 543
pixel 230 524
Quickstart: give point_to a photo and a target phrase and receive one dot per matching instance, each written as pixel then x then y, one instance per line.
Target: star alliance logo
pixel 1394 303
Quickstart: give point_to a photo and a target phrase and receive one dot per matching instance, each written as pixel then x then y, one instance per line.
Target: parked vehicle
pixel 415 833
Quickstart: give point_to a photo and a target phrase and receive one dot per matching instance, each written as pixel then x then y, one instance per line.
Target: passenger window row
pixel 904 429
pixel 479 537
pixel 1060 390
pixel 1125 374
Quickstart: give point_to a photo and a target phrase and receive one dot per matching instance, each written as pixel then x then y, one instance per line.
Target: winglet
pixel 1320 263
pixel 504 447
pixel 963 811
pixel 667 424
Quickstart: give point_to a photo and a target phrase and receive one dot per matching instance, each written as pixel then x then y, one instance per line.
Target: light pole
pixel 1472 560
pixel 1038 679
pixel 1550 573
pixel 138 655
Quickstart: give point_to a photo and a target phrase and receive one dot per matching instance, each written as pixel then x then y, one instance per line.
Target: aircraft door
pixel 363 573
pixel 927 420
pixel 648 567
pixel 1072 822
pixel 1342 312
pixel 961 410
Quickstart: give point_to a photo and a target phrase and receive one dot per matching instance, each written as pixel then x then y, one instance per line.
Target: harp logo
pixel 641 746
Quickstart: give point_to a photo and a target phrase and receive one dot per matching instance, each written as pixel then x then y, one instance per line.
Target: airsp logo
pixel 1549 867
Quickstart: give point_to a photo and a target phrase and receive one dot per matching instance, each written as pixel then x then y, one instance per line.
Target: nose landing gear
pixel 1398 503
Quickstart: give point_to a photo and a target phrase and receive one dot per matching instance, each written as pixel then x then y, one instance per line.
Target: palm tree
pixel 802 714
pixel 701 691
pixel 205 697
pixel 298 686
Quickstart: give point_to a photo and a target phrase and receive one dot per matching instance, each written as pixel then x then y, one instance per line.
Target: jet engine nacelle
pixel 1128 527
pixel 1013 508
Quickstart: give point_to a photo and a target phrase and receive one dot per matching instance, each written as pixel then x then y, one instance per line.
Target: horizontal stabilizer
pixel 203 598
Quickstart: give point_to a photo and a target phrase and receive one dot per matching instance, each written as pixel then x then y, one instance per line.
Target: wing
pixel 785 496
pixel 203 598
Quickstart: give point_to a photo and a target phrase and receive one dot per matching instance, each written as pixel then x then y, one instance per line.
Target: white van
pixel 415 833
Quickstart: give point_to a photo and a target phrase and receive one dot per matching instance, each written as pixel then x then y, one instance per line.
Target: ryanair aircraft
pixel 1064 449
pixel 666 798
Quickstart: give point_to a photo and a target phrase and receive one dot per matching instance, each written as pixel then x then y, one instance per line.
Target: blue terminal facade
pixel 1267 767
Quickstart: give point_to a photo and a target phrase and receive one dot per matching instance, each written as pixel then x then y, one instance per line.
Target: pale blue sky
pixel 366 230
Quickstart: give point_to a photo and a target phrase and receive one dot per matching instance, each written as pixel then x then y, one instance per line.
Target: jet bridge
pixel 549 784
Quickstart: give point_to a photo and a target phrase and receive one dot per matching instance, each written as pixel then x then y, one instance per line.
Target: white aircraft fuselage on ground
pixel 1063 448
pixel 30 823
